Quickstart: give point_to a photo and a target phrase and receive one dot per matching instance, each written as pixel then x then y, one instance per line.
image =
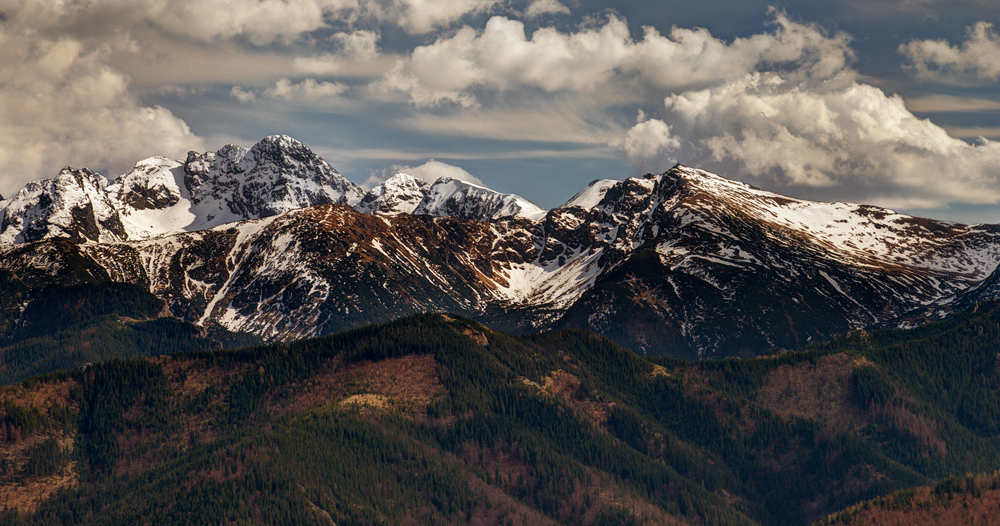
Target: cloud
pixel 603 57
pixel 973 132
pixel 358 55
pixel 648 142
pixel 259 22
pixel 433 170
pixel 243 96
pixel 978 56
pixel 423 16
pixel 951 104
pixel 848 141
pixel 548 120
pixel 63 104
pixel 308 89
pixel 546 7
pixel 429 172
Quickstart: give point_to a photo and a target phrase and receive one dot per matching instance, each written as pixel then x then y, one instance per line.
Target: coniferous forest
pixel 435 419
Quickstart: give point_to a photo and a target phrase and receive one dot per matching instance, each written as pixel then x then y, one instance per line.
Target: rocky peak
pixel 72 205
pixel 464 200
pixel 286 152
pixel 276 175
pixel 401 193
pixel 151 185
pixel 161 196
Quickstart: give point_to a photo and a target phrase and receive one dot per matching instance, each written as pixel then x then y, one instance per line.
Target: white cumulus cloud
pixel 503 57
pixel 851 140
pixel 259 21
pixel 978 55
pixel 546 7
pixel 242 95
pixel 62 104
pixel 307 89
pixel 648 143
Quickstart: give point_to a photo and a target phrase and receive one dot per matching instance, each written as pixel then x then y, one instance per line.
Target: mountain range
pixel 273 242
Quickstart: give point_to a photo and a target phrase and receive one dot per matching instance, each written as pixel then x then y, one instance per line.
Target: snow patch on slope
pixel 855 234
pixel 464 200
pixel 152 199
pixel 592 195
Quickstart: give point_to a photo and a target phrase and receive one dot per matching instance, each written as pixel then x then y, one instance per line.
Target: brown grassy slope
pixel 971 500
pixel 30 416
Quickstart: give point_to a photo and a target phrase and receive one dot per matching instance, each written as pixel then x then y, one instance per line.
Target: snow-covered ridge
pixel 162 196
pixel 278 174
pixel 464 200
pixel 403 193
pixel 681 258
pixel 592 195
pixel 860 234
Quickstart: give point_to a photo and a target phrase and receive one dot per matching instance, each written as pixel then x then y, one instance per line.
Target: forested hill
pixel 49 323
pixel 435 419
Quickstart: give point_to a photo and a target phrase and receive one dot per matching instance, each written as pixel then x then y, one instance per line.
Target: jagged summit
pixel 276 175
pixel 403 193
pixel 73 204
pixel 163 196
pixel 400 194
pixel 465 200
pixel 694 251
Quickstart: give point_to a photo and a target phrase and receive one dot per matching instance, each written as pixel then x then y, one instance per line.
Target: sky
pixel 894 103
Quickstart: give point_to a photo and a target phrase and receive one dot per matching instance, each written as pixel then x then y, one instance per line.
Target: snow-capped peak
pixel 400 194
pixel 276 175
pixel 853 233
pixel 465 200
pixel 73 204
pixel 152 199
pixel 160 196
pixel 592 195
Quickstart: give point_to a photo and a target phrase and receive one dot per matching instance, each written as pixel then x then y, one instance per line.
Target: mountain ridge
pixel 685 262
